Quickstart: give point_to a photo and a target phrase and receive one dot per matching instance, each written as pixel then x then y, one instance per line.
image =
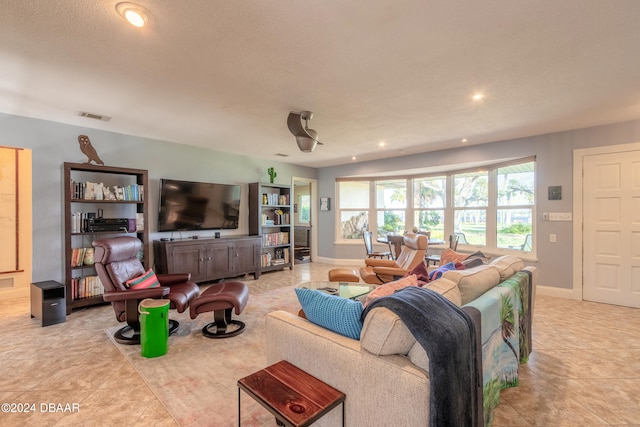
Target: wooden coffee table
pixel 293 396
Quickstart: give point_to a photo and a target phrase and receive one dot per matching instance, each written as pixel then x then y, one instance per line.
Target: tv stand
pixel 208 258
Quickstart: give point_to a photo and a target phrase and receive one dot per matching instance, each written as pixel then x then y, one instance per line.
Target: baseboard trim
pixel 551 291
pixel 335 261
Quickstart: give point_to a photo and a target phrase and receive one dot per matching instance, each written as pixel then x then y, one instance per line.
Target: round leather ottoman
pixel 221 299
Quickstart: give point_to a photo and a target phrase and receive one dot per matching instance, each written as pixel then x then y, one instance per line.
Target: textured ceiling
pixel 225 74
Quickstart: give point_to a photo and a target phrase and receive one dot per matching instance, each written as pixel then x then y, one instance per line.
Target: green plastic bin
pixel 154 327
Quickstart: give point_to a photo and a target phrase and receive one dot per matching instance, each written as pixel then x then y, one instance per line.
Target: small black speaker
pixel 217 234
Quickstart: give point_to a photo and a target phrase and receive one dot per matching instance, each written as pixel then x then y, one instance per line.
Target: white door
pixel 611 228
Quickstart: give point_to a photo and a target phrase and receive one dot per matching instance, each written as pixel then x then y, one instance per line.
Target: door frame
pixel 314 212
pixel 16 283
pixel 578 225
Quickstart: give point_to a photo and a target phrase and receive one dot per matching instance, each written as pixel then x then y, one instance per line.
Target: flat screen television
pixel 189 205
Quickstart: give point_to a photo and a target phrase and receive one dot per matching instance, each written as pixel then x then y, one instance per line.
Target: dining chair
pixel 453 245
pixel 368 244
pixel 395 242
pixel 461 237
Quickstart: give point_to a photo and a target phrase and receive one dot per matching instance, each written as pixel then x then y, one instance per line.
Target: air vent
pixel 6 283
pixel 94 116
pixel 282 155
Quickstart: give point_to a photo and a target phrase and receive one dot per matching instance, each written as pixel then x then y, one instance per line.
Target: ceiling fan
pixel 306 138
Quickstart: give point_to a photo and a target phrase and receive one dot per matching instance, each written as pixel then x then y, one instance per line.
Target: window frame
pixel 491 209
pixel 301 209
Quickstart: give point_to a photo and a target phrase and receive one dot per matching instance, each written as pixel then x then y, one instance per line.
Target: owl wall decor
pixel 88 150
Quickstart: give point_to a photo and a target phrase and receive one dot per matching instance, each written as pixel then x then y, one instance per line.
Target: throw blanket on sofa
pixel 506 336
pixel 448 336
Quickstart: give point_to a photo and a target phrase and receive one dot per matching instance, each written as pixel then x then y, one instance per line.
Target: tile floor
pixel 584 370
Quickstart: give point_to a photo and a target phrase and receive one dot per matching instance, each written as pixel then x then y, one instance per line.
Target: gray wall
pixel 53 144
pixel 554 153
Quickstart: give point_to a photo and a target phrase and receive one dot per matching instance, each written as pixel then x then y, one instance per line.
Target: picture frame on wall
pixel 325 203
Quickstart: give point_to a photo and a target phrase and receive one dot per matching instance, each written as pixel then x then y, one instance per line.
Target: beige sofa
pixel 385 375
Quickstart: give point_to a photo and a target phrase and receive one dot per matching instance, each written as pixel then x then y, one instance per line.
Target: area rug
pixel 197 379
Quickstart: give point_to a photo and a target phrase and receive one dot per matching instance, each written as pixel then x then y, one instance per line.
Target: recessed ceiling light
pixel 381 144
pixel 464 139
pixel 135 14
pixel 353 158
pixel 477 96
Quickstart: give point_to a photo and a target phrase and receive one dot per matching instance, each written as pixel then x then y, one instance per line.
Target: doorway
pixel 610 203
pixel 15 222
pixel 304 235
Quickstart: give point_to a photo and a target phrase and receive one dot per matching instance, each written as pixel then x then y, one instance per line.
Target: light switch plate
pixel 560 216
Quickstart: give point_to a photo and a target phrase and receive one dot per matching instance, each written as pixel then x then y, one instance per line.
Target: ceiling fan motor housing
pixel 307 139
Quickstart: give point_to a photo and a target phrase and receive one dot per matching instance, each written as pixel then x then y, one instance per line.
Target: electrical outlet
pixel 545 216
pixel 553 238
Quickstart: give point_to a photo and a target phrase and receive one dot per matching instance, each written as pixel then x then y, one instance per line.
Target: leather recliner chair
pixel 116 262
pixel 379 271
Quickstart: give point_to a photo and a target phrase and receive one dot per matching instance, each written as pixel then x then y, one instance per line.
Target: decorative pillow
pixel 507 265
pixel 438 272
pixel 384 333
pixel 147 280
pixel 477 254
pixel 421 272
pixel 459 265
pixel 390 288
pixel 473 262
pixel 340 315
pixel 474 282
pixel 449 255
pixel 447 289
pixel 475 259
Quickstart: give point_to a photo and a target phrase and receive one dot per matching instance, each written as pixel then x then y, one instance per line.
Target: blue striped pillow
pixel 340 315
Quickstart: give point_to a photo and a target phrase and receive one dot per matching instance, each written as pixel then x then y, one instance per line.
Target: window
pixel 492 208
pixel 353 208
pixel 515 201
pixel 304 210
pixel 471 195
pixel 391 204
pixel 429 196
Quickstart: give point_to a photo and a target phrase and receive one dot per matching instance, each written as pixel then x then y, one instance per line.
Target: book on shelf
pixel 139 222
pixel 275 199
pixel 283 199
pixel 81 256
pixel 274 239
pixel 265 260
pixel 77 257
pixel 80 220
pixel 98 191
pixel 86 287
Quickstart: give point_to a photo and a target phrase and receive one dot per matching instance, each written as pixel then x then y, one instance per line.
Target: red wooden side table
pixel 293 396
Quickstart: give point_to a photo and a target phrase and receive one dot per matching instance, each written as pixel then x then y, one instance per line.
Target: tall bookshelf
pixel 99 191
pixel 271 217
